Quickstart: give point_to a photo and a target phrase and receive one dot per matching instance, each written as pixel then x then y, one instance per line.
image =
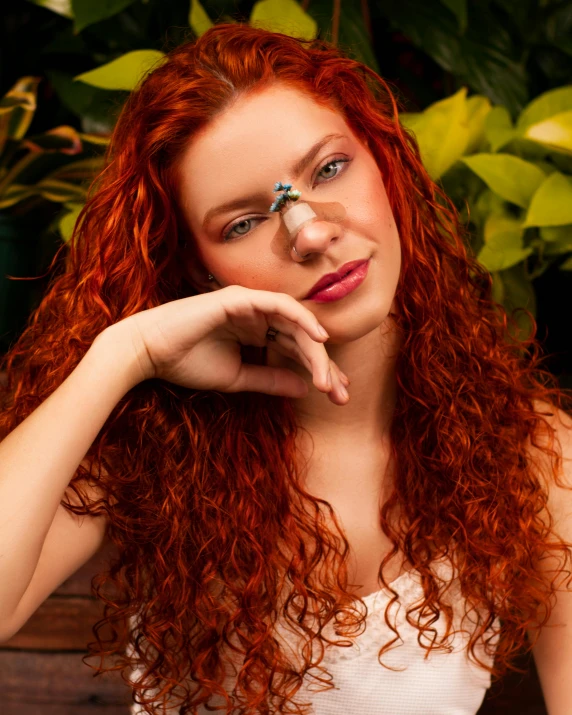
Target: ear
pixel 195 272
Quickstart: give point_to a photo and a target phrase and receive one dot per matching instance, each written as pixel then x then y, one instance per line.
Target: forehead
pixel 275 115
pixel 252 143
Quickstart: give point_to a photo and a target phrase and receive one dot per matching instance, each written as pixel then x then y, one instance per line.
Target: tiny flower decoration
pixel 288 194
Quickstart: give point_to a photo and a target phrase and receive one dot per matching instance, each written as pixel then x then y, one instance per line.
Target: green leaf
pixel 558 239
pixel 87 12
pixel 61 7
pixel 60 191
pixel 510 177
pixel 545 106
pixel 14 194
pixel 551 205
pixel 442 132
pixel 123 73
pixel 459 9
pixel 555 132
pixel 478 109
pixel 498 127
pixel 503 243
pixel 67 222
pixel 199 21
pixel 17 108
pixel 285 16
pixel 486 57
pixel 566 266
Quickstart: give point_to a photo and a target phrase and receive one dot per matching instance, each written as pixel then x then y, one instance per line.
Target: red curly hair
pixel 202 489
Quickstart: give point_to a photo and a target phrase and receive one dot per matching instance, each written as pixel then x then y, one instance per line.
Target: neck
pixel 369 362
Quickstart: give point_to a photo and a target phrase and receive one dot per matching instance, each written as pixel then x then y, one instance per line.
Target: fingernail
pixel 329 378
pixel 344 392
pixel 322 332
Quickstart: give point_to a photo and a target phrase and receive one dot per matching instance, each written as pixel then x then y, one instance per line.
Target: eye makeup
pixel 337 160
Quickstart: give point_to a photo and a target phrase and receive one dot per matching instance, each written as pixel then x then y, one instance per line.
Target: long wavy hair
pixel 203 494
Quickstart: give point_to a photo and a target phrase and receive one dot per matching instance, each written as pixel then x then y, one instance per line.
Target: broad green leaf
pixel 551 204
pixel 67 222
pixel 285 16
pixel 554 234
pixel 555 101
pixel 61 7
pixel 519 293
pixel 478 108
pixel 510 177
pixel 353 35
pixel 498 127
pixel 482 58
pixel 123 73
pixel 199 21
pixel 555 132
pixel 87 12
pixel 503 243
pixel 459 9
pixel 558 239
pixel 442 132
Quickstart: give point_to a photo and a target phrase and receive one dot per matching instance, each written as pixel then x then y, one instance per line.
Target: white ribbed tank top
pixel 441 684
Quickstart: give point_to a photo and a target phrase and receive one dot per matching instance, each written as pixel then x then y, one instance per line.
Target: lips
pixel 330 278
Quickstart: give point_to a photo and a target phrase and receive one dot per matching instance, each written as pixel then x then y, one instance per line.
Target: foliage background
pixel 508 51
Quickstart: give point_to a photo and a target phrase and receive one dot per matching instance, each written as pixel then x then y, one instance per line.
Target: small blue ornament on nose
pixel 288 194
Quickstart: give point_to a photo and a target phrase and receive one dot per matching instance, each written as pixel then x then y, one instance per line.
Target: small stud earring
pixel 211 277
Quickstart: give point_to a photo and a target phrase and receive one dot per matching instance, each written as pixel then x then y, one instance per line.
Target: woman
pixel 280 543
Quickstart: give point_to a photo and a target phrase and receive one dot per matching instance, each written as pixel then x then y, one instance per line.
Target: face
pixel 243 153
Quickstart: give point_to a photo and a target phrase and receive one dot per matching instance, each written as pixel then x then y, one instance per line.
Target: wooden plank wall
pixel 41 671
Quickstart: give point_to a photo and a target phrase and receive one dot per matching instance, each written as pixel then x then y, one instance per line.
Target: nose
pixel 314 236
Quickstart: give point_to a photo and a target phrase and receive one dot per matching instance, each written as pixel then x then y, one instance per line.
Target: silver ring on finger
pixel 271 334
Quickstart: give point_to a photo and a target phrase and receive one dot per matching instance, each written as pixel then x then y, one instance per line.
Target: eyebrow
pixel 296 171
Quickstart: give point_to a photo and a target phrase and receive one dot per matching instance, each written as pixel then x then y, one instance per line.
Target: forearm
pixel 39 457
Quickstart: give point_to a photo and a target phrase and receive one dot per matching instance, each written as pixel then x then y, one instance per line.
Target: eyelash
pixel 253 218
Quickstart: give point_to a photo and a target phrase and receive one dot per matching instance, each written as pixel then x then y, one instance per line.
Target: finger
pixel 337 392
pixel 270 380
pixel 309 354
pixel 240 299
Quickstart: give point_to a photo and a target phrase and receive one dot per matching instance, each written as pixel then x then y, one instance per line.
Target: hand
pixel 195 342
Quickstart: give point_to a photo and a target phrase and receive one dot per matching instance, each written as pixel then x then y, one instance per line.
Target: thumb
pixel 271 380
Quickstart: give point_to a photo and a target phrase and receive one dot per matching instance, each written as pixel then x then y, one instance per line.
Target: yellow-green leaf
pixel 545 106
pixel 511 177
pixel 498 127
pixel 61 7
pixel 18 107
pixel 97 139
pixel 478 108
pixel 551 204
pixel 503 243
pixel 60 191
pixel 285 16
pixel 14 194
pixel 199 21
pixel 555 132
pixel 442 132
pixel 67 222
pixel 558 239
pixel 123 73
pixel 567 265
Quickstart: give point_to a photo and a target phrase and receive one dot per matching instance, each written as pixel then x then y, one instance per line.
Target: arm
pixel 553 650
pixel 39 458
